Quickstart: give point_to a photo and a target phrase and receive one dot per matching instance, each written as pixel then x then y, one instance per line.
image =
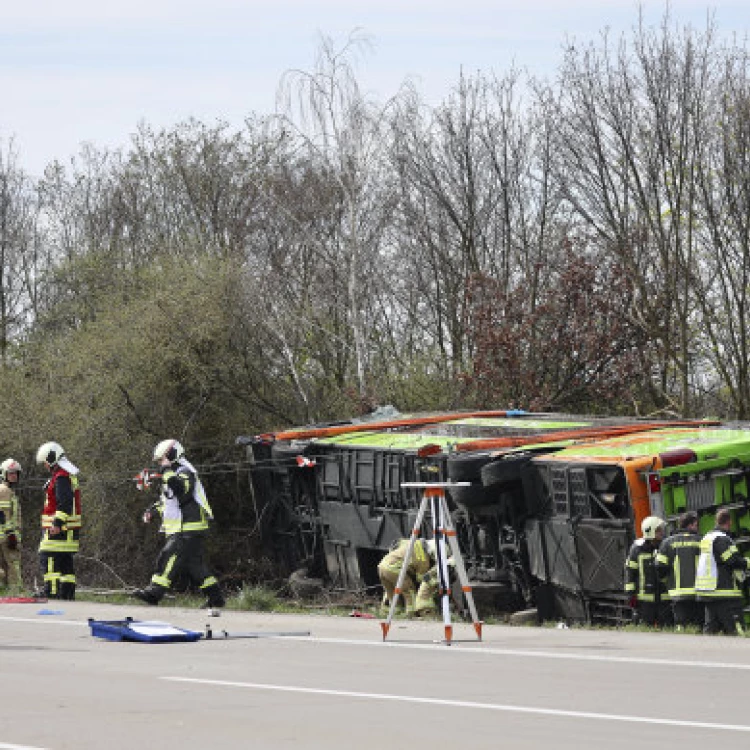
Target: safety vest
pixel 184 506
pixel 715 578
pixel 69 514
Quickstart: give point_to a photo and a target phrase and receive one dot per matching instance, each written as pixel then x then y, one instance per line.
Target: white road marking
pixel 44 620
pixel 469 704
pixel 5 746
pixel 480 648
pixel 476 648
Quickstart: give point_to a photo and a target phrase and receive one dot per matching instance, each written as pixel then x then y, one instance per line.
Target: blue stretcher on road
pixel 153 631
pixel 142 631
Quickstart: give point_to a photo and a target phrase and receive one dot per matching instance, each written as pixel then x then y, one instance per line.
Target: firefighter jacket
pixel 62 509
pixel 641 577
pixel 10 512
pixel 183 503
pixel 419 564
pixel 677 560
pixel 721 567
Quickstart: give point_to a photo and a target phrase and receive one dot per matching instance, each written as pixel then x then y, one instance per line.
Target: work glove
pixel 426 578
pixel 147 516
pixel 12 541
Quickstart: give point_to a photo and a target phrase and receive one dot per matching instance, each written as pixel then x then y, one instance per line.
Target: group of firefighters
pixel 182 506
pixel 683 580
pixel 687 580
pixel 60 524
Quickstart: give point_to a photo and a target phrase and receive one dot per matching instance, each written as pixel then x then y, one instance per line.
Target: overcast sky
pixel 74 71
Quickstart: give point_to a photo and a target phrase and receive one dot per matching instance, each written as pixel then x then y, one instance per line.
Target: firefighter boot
pixel 152 594
pixel 68 591
pixel 215 597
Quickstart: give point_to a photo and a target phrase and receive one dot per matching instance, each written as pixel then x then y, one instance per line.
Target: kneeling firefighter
pixel 185 518
pixel 421 582
pixel 389 568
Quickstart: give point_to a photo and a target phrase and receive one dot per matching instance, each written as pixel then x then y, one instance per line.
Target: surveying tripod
pixel 434 496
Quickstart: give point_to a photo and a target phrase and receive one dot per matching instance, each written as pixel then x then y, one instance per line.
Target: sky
pixel 89 71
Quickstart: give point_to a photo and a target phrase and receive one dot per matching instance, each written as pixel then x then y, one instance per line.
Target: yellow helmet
pixel 650 526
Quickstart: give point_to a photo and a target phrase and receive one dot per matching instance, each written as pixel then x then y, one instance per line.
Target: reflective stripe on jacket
pixel 678 559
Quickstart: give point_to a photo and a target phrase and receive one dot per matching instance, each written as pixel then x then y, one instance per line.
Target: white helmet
pixel 49 453
pixel 9 466
pixel 650 525
pixel 429 545
pixel 169 449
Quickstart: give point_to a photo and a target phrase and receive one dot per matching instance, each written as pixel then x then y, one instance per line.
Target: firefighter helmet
pixel 9 466
pixel 49 453
pixel 169 449
pixel 650 526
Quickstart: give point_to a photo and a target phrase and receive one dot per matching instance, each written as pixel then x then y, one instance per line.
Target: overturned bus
pixel 548 506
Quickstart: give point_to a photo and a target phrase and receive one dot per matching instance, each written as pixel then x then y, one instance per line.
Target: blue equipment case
pixel 142 631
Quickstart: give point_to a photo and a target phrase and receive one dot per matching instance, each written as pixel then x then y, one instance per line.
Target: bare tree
pixel 477 198
pixel 721 280
pixel 18 248
pixel 342 135
pixel 633 124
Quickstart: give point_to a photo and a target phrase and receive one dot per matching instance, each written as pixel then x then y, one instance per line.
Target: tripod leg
pixel 439 511
pixel 385 626
pixel 463 579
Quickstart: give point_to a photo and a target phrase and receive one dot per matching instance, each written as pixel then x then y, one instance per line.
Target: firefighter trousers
pixel 724 616
pixel 58 571
pixel 688 613
pixel 10 564
pixel 183 553
pixel 654 614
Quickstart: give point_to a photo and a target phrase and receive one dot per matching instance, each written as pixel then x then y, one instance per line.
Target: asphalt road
pixel 343 687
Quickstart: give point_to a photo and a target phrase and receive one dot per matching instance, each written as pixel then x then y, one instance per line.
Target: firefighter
pixel 718 582
pixel 10 525
pixel 185 516
pixel 61 523
pixel 422 561
pixel 648 595
pixel 677 560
